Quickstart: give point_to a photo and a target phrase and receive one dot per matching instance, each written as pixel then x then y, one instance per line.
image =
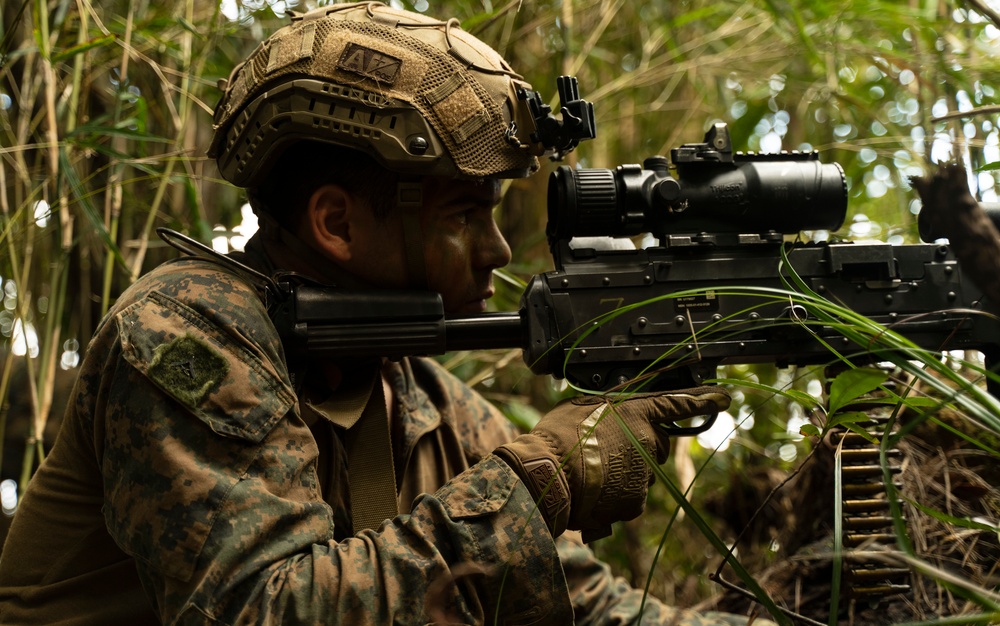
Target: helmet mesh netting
pixel 485 152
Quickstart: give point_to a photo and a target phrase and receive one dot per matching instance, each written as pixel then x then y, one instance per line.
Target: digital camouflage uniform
pixel 185 486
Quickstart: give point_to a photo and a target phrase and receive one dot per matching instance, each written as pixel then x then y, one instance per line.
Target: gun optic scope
pixel 714 191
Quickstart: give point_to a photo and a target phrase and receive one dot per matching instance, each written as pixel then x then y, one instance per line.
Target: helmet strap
pixel 409 200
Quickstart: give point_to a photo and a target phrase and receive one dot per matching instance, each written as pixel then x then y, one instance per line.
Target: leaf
pixel 912 402
pixel 852 384
pixel 71 52
pixel 801 397
pixel 972 440
pixel 962 522
pixel 853 421
pixel 702 13
pixel 989 166
pixel 850 417
pixel 854 427
pixel 40 43
pixel 810 430
pixel 792 394
pixel 100 130
pixel 188 26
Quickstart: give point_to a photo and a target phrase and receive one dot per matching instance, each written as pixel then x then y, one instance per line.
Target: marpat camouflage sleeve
pixel 210 485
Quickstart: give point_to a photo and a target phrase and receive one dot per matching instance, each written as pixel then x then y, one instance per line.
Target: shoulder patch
pixel 189 368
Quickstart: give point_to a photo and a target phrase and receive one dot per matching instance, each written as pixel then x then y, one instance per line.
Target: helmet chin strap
pixel 409 200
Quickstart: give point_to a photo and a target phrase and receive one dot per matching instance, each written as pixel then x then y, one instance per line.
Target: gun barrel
pixel 484 332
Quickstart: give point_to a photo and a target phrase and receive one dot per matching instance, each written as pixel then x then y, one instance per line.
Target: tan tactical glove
pixel 580 466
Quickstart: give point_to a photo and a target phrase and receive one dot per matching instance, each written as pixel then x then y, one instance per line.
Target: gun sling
pixel 361 412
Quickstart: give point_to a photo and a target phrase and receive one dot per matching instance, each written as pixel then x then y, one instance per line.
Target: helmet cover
pixel 421 96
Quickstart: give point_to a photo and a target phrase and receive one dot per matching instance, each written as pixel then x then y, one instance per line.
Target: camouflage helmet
pixel 420 95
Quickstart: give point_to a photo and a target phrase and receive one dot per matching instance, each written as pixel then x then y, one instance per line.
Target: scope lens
pixel 583 203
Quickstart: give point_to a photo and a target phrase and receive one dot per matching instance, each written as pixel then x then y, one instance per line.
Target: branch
pixel 983 9
pixel 986 110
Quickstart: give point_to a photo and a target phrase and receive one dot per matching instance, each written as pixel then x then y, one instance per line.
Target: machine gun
pixel 701 295
pixel 695 299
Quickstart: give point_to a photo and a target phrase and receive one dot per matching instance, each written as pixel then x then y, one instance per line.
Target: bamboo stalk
pixel 180 131
pixel 113 195
pixel 8 366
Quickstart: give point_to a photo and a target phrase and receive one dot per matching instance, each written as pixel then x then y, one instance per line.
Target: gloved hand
pixel 580 466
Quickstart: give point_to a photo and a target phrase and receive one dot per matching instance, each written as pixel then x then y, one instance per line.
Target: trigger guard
pixel 672 430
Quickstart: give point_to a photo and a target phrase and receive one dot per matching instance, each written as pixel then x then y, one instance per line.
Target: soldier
pixel 203 475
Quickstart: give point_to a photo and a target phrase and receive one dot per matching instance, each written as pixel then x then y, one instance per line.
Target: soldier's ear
pixel 328 221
